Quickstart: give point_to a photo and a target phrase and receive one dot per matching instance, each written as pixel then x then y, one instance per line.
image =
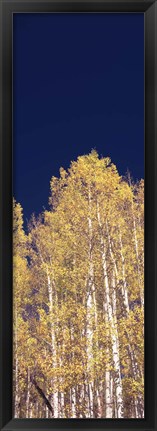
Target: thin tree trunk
pixel 124 290
pixel 108 404
pixel 28 393
pixel 53 341
pixel 115 348
pixel 113 327
pixel 73 402
pixel 81 402
pixel 91 307
pixel 42 395
pixel 124 285
pixel 31 411
pixel 62 404
pixel 97 400
pixel 135 370
pixel 16 369
pixel 126 303
pixel 137 256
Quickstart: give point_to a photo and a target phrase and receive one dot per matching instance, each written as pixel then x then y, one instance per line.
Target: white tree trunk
pixel 115 349
pixel 16 369
pixel 31 411
pixel 89 335
pixel 137 256
pixel 73 402
pixel 91 308
pixel 124 286
pixel 112 325
pixel 108 401
pixel 28 393
pixel 53 342
pixel 82 401
pixel 126 304
pixel 62 404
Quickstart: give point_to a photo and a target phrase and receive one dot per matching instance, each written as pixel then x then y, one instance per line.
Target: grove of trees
pixel 78 294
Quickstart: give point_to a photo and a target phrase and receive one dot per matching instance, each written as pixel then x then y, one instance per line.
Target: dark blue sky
pixel 78 85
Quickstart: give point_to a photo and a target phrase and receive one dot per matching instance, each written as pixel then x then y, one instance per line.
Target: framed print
pixel 78 214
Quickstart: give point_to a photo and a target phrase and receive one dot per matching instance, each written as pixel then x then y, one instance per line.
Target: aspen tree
pixel 78 307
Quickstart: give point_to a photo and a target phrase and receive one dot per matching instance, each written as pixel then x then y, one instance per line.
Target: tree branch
pixel 41 393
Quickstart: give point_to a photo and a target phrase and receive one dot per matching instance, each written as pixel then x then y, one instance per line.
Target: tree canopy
pixel 78 289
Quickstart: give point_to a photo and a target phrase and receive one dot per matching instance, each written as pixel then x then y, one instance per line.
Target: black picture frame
pixel 149 8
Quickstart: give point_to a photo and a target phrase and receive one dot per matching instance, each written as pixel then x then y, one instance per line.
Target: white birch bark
pixel 46 393
pixel 73 402
pixel 62 404
pixel 28 393
pixel 16 369
pixel 31 411
pixel 61 396
pixel 89 335
pixel 99 412
pixel 111 391
pixel 82 400
pixel 124 290
pixel 108 402
pixel 134 365
pixel 91 308
pixel 115 349
pixel 53 342
pixel 137 256
pixel 113 326
pixel 124 285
